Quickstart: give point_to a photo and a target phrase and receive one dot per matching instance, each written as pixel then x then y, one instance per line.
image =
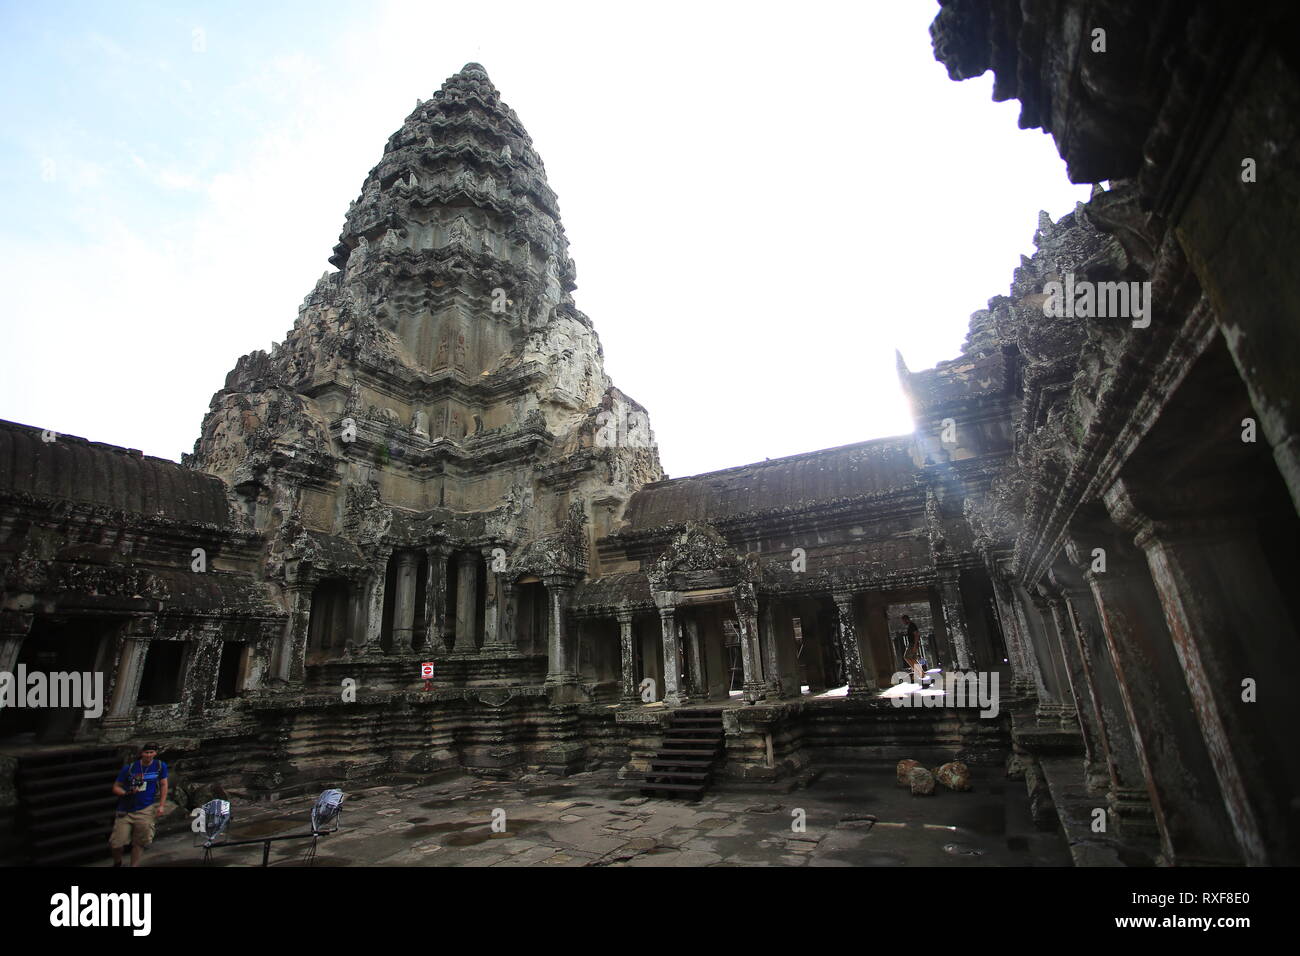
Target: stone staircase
pixel 66 804
pixel 693 742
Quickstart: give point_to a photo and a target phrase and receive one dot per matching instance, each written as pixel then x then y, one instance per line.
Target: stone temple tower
pixel 437 429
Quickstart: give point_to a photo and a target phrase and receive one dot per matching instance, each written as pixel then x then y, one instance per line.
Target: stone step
pixel 89 831
pixel 105 802
pixel 668 760
pixel 32 786
pixel 92 848
pixel 51 764
pixel 65 804
pixel 694 729
pixel 678 776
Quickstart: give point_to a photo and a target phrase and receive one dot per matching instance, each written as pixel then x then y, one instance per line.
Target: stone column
pixel 694 657
pixel 630 694
pixel 751 660
pixel 204 669
pixel 939 645
pixel 1229 623
pixel 119 721
pixel 674 694
pixel 375 604
pixel 14 627
pixel 771 655
pixel 408 566
pixel 492 636
pixel 1057 705
pixel 1190 816
pixel 852 654
pixel 1129 802
pixel 1024 666
pixel 1030 627
pixel 1095 764
pixel 466 602
pixel 293 648
pixel 435 599
pixel 560 658
pixel 954 618
pixel 509 614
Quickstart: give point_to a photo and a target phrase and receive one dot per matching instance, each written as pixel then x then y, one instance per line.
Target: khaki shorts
pixel 136 828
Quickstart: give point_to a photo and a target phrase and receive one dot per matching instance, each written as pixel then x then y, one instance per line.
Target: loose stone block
pixel 905 768
pixel 954 775
pixel 921 781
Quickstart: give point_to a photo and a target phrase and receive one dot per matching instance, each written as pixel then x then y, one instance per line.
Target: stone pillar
pixel 466 602
pixel 1024 681
pixel 1129 802
pixel 625 637
pixel 293 647
pixel 508 628
pixel 1039 664
pixel 954 618
pixel 1190 816
pixel 492 600
pixel 1095 766
pixel 375 604
pixel 201 679
pixel 119 720
pixel 674 694
pixel 9 648
pixel 751 660
pixel 1057 705
pixel 767 639
pixel 852 655
pixel 560 658
pixel 408 566
pixel 940 649
pixel 14 627
pixel 694 658
pixel 435 599
pixel 1228 622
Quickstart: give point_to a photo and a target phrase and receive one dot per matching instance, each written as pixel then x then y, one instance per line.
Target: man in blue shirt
pixel 141 784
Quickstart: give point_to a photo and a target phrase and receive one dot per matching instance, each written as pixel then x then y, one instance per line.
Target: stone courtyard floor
pixel 857 818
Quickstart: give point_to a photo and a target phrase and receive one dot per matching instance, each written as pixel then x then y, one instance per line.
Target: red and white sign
pixel 426 671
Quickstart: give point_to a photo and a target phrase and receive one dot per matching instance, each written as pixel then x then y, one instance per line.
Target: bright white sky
pixel 763 200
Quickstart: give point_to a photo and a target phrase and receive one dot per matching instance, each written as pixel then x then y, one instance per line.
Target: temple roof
pixel 74 469
pixel 864 468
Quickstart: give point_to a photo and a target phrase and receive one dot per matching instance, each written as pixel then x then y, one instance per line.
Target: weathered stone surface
pixel 954 775
pixel 921 781
pixel 905 768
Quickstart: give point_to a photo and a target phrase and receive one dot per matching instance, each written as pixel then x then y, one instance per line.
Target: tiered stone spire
pixel 447 348
pixel 461 192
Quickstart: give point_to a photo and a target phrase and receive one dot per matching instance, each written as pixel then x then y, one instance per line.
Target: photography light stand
pixel 328 809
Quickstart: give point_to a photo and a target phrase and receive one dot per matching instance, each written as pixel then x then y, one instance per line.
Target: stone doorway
pixel 69 645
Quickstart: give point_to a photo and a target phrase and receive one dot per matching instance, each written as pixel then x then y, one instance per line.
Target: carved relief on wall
pixel 460 232
pixel 460 350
